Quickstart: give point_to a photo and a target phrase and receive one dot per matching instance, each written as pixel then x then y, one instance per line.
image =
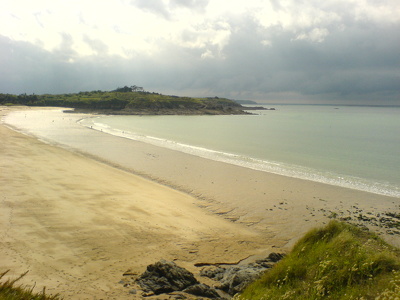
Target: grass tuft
pixel 9 291
pixel 339 261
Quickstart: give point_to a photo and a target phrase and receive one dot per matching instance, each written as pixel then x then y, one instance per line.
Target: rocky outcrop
pixel 166 277
pixel 233 280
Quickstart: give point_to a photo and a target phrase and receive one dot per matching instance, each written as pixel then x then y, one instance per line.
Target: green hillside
pixel 339 261
pixel 127 100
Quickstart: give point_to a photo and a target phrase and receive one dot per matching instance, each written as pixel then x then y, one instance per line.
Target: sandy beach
pixel 79 216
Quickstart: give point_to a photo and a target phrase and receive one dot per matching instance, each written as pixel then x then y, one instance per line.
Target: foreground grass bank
pixel 10 291
pixel 339 261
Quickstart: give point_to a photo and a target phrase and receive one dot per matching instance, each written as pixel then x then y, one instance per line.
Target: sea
pixel 350 146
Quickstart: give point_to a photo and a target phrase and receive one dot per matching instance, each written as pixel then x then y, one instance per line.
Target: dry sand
pixel 77 224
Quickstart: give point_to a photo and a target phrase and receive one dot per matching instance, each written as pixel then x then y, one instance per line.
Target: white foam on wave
pixel 295 171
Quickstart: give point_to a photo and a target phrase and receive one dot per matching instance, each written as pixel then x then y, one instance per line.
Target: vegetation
pixel 126 98
pixel 340 261
pixel 8 291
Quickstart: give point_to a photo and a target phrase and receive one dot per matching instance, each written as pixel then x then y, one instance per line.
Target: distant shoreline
pixel 176 111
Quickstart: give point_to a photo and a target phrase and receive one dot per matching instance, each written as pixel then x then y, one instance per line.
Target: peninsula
pixel 129 101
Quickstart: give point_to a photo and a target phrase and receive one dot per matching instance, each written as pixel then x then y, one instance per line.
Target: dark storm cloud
pixel 356 63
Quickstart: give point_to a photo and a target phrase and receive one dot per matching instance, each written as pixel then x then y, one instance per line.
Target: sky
pixel 289 51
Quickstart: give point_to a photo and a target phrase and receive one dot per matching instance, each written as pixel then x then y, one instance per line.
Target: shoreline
pixel 188 149
pixel 237 193
pixel 227 212
pixel 278 168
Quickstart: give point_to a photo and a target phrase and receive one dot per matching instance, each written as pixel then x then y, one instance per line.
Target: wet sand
pixel 79 218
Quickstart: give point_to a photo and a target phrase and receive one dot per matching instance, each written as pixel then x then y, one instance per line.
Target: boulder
pixel 165 277
pixel 234 279
pixel 275 257
pixel 216 273
pixel 202 290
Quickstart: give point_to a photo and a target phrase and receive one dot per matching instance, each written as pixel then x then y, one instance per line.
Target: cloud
pixel 332 51
pixel 65 51
pixel 358 64
pixel 98 46
pixel 198 5
pixel 315 35
pixel 154 6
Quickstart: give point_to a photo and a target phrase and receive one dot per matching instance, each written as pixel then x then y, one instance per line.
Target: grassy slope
pixel 339 261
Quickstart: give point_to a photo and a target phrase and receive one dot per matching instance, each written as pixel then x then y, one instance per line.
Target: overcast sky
pixel 329 51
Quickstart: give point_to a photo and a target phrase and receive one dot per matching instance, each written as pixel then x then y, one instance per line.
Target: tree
pixel 126 89
pixel 136 88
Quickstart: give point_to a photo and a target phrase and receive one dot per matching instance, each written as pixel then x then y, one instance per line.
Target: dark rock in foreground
pixel 215 272
pixel 273 257
pixel 233 280
pixel 202 290
pixel 237 278
pixel 166 277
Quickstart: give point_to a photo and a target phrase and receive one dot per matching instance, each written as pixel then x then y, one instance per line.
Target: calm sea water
pixel 356 147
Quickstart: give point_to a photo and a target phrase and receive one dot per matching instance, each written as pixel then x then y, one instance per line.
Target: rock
pixel 216 273
pixel 177 295
pixel 237 278
pixel 265 264
pixel 132 292
pixel 202 290
pixel 269 261
pixel 275 257
pixel 165 277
